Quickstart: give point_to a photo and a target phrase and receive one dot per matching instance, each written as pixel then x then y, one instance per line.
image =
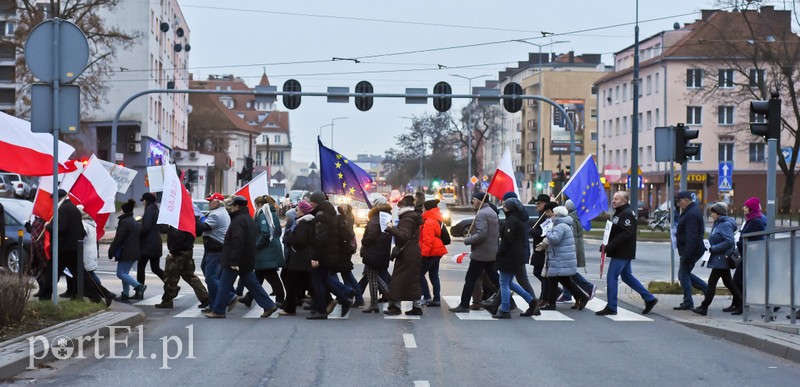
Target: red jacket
pixel 430 241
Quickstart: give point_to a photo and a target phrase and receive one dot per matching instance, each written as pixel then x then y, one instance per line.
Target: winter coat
pixel 376 245
pixel 179 241
pixel 485 235
pixel 538 257
pixel 347 235
pixel 430 239
pixel 523 217
pixel 269 250
pixel 90 252
pixel 513 252
pixel 721 242
pixel 125 246
pixel 70 229
pixel 622 238
pixel 561 261
pixel 299 241
pixel 753 225
pixel 577 232
pixel 326 231
pixel 151 235
pixel 405 276
pixel 239 248
pixel 689 235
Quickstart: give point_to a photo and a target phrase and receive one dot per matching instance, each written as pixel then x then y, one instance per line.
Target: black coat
pixel 375 244
pixel 70 229
pixel 298 242
pixel 346 235
pixel 326 232
pixel 689 235
pixel 538 257
pixel 405 276
pixel 239 248
pixel 125 246
pixel 513 251
pixel 178 241
pixel 151 235
pixel 622 238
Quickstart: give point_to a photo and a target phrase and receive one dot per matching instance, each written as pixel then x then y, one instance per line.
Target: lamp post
pixel 469 128
pixel 421 174
pixel 331 125
pixel 539 110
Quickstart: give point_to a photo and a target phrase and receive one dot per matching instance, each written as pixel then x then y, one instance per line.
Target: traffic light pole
pixel 684 173
pixel 772 161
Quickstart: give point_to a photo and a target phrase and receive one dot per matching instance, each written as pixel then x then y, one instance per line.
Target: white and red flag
pixel 29 153
pixel 459 258
pixel 176 203
pixel 96 190
pixel 503 180
pixel 255 188
pixel 43 203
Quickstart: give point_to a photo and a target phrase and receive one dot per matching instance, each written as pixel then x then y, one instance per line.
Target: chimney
pixel 571 57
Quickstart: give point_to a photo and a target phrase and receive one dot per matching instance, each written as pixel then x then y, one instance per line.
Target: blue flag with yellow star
pixel 341 176
pixel 587 192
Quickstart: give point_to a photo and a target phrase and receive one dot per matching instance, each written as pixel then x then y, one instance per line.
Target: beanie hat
pixel 509 195
pixel 304 206
pixel 406 201
pixel 754 204
pixel 317 197
pixel 239 201
pixel 683 195
pixel 561 211
pixel 377 199
pixel 148 197
pixel 513 204
pixel 127 207
pixel 570 205
pixel 479 195
pixel 431 204
pixel 720 208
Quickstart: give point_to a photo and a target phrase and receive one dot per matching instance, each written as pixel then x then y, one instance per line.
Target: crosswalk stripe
pixel 453 301
pixel 256 311
pixel 552 315
pixel 404 306
pixel 622 314
pixel 191 312
pixel 155 300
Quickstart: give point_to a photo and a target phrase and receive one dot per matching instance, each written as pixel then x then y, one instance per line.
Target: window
pixel 649 120
pixel 725 115
pixel 624 92
pixel 658 117
pixel 264 138
pixel 757 152
pixel 725 151
pixel 617 126
pixel 639 122
pixel 276 158
pixel 757 78
pixel 594 136
pixel 594 90
pixel 593 113
pixel 649 84
pixel 694 115
pixel 619 161
pixel 277 138
pixel 694 78
pixel 604 128
pixel 649 155
pixel 726 79
pixel 656 83
pixel 625 125
pixel 604 98
pixel 699 156
pixel 258 158
pixel 624 158
pixel 616 94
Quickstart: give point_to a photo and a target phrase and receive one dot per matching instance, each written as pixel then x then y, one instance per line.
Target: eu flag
pixel 587 192
pixel 341 176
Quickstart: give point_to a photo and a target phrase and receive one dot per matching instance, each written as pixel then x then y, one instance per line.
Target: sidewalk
pixel 779 338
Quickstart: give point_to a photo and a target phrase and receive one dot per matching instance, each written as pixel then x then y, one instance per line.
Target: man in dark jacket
pixel 621 250
pixel 689 238
pixel 70 231
pixel 538 257
pixel 151 240
pixel 239 260
pixel 325 255
pixel 180 264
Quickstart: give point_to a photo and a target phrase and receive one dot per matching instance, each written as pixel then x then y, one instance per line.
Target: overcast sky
pixel 247 37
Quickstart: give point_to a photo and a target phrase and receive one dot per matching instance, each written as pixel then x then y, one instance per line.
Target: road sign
pixel 473 180
pixel 42 110
pixel 73 51
pixel 725 176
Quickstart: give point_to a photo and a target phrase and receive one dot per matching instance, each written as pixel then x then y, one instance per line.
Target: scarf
pixel 268 214
pixel 753 215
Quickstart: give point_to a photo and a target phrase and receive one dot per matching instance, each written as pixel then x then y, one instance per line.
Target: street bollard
pixel 21 260
pixel 79 272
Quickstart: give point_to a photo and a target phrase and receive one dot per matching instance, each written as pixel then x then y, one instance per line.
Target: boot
pixel 139 295
pixel 701 310
pixel 372 308
pixel 533 309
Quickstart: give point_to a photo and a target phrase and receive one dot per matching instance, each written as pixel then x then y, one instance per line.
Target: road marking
pixel 256 311
pixel 409 341
pixel 155 300
pixel 622 315
pixel 404 306
pixel 192 312
pixel 453 301
pixel 422 383
pixel 336 314
pixel 552 315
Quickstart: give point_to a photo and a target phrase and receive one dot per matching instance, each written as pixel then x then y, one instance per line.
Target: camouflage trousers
pixel 181 265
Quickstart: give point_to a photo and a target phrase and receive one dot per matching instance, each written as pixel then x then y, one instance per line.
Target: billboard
pixel 559 132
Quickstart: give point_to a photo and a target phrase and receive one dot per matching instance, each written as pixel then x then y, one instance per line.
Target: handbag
pixel 397 251
pixel 445 237
pixel 734 259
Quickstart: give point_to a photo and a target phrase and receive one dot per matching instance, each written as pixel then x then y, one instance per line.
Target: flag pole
pixel 561 193
pixel 473 219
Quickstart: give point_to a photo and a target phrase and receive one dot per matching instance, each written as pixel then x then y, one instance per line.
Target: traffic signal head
pixel 364 103
pixel 684 150
pixel 538 185
pixel 771 110
pixel 511 102
pixel 291 101
pixel 442 104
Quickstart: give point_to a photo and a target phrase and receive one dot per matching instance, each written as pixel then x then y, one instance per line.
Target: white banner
pixel 122 175
pixel 155 178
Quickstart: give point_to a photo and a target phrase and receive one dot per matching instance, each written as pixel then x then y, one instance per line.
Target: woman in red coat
pixel 430 243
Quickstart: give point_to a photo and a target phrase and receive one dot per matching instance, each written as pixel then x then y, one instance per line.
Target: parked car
pixel 361 212
pixel 6 189
pixel 17 212
pixel 22 189
pixel 297 195
pixel 202 205
pixel 460 229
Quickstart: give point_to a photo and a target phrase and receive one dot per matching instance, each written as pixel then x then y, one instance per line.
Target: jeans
pixel 350 280
pixel 227 277
pixel 123 268
pixel 324 282
pixel 620 267
pixel 430 266
pixel 689 280
pixel 582 283
pixel 474 272
pixel 507 284
pixel 210 266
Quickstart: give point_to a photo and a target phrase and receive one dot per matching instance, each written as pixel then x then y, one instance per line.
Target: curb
pixel 15 353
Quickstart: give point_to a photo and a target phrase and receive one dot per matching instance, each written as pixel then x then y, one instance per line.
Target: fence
pixel 771 271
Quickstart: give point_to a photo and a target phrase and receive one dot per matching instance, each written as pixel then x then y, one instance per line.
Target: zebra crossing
pixel 567 315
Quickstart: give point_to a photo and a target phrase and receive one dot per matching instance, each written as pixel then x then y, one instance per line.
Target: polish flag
pixel 255 188
pixel 503 180
pixel 459 258
pixel 29 153
pixel 43 203
pixel 176 203
pixel 96 190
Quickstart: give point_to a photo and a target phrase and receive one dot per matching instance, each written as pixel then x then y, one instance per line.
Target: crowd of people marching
pixel 308 263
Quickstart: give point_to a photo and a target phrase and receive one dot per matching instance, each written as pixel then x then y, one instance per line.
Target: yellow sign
pixel 692 177
pixel 639 169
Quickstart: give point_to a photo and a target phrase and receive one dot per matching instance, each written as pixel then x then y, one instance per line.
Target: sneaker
pixel 207 309
pixel 564 300
pixel 163 305
pixel 459 309
pixel 269 311
pixel 649 305
pixel 502 315
pixel 414 312
pixel 213 315
pixel 232 303
pixel 124 297
pixel 606 312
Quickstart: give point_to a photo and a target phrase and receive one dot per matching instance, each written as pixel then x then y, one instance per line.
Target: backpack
pixel 445 237
pixel 347 237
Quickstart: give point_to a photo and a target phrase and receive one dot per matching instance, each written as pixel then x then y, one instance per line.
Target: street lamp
pixel 539 109
pixel 331 125
pixel 469 128
pixel 421 174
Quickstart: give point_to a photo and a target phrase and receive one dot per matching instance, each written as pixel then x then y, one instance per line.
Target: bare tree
pixel 484 122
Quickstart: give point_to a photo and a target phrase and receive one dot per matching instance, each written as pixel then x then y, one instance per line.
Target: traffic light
pixel 291 101
pixel 771 110
pixel 684 150
pixel 364 103
pixel 512 104
pixel 538 185
pixel 442 104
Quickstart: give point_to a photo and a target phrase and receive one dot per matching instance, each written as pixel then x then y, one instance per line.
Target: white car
pixel 21 187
